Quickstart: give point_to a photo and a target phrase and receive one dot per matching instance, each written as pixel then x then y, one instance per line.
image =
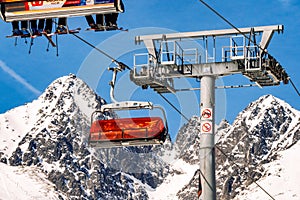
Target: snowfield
pixel 18 183
pixel 282 180
pixel 174 182
pixel 44 146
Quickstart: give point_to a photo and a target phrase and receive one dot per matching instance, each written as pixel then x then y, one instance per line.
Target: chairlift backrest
pixel 128 131
pixel 127 128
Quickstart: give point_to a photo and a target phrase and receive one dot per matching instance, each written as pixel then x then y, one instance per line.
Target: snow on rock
pixel 281 179
pixel 187 141
pixel 266 127
pixel 25 183
pixel 174 182
pixel 55 141
pixel 50 135
pixel 260 133
pixel 14 125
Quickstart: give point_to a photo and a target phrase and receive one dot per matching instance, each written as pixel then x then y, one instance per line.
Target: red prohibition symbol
pixel 206 113
pixel 206 127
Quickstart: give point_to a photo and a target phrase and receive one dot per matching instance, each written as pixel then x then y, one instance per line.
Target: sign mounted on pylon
pixel 206 127
pixel 207 113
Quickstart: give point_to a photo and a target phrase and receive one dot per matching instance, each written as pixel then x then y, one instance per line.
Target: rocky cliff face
pixel 259 133
pixel 51 133
pixel 265 128
pixel 57 143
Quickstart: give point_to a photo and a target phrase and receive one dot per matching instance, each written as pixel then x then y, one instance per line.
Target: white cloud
pixel 18 78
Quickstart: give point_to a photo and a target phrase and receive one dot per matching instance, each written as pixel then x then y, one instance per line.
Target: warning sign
pixel 206 127
pixel 206 113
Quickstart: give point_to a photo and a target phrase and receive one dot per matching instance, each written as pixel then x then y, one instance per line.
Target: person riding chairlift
pixel 24 28
pixel 38 29
pixel 62 26
pixel 110 20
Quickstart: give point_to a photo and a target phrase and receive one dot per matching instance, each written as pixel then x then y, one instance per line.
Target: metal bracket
pixel 127 105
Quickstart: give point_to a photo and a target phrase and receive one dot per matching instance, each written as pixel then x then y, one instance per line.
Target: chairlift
pixel 17 10
pixel 140 131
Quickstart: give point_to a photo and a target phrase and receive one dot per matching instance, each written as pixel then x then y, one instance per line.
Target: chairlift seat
pixel 127 132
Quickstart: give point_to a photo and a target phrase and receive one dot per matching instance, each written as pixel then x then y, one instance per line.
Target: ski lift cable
pixel 294 86
pixel 174 107
pixel 254 181
pixel 232 25
pixel 177 110
pixel 237 29
pixel 121 64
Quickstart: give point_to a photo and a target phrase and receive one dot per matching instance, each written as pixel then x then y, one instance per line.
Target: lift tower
pixel 245 52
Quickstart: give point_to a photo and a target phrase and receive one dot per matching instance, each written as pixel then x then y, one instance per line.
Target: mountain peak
pixel 266 106
pixel 56 142
pixel 69 92
pixel 269 99
pixel 63 83
pixel 265 101
pixel 51 133
pixel 265 128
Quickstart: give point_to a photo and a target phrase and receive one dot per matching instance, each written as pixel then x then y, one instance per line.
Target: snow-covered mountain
pixel 46 140
pixel 264 129
pixel 248 149
pixel 51 134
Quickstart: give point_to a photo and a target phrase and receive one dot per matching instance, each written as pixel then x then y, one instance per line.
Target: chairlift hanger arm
pixel 124 105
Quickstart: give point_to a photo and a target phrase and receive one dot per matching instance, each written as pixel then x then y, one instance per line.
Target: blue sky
pixel 24 76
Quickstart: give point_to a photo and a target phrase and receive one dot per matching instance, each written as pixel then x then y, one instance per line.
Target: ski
pixel 20 36
pixel 73 31
pixel 24 36
pixel 112 28
pixel 107 28
pixel 37 35
pixel 48 36
pixel 95 29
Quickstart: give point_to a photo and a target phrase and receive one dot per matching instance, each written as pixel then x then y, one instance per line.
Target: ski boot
pixel 100 27
pixel 61 30
pixel 16 32
pixel 35 32
pixel 25 32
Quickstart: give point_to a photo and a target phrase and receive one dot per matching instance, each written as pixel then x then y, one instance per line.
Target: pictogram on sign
pixel 206 127
pixel 206 113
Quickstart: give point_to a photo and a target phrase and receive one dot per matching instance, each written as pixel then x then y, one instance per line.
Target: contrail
pixel 18 78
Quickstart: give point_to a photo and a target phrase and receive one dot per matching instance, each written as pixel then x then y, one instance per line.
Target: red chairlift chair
pixel 127 131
